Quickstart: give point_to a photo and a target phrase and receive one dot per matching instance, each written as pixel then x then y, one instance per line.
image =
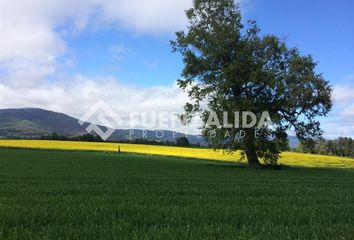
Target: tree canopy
pixel 229 66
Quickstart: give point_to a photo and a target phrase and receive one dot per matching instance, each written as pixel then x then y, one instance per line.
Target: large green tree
pixel 230 67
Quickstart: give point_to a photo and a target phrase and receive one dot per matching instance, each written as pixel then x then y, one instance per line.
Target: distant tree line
pixel 342 146
pixel 82 138
pixel 180 142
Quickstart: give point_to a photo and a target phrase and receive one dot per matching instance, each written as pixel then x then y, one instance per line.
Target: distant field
pixel 292 159
pixel 100 195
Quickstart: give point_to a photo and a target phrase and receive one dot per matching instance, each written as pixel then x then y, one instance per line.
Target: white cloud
pixel 342 93
pixel 76 96
pixel 152 16
pixel 32 32
pixel 349 111
pixel 340 121
pixel 34 28
pixel 33 47
pixel 338 128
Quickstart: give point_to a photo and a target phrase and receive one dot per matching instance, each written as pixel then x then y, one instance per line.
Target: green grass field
pixel 95 195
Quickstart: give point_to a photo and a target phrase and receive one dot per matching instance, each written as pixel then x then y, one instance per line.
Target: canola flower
pixel 287 158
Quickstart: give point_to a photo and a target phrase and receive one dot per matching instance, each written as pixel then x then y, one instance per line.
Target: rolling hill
pixel 35 122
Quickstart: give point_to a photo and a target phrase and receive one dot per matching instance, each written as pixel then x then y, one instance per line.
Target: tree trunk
pixel 252 158
pixel 250 148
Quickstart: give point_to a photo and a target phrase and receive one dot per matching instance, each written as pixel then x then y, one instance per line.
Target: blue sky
pixel 144 60
pixel 322 28
pixel 66 55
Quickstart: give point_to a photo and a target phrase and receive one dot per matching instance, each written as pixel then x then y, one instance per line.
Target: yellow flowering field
pixel 287 158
